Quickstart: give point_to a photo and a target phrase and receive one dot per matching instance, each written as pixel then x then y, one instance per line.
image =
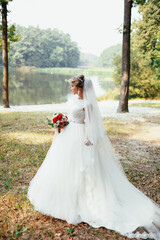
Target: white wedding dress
pixel 77 184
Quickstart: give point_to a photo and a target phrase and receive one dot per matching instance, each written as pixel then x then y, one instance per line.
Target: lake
pixel 27 88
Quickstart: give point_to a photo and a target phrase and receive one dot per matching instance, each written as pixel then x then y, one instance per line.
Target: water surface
pixel 43 88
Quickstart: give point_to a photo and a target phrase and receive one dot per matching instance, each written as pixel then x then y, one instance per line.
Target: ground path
pixel 107 108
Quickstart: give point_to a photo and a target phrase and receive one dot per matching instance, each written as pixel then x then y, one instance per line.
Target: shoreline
pixel 107 108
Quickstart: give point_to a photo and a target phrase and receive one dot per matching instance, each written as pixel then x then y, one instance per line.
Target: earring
pixel 78 92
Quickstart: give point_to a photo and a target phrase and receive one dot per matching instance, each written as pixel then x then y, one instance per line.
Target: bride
pixel 81 179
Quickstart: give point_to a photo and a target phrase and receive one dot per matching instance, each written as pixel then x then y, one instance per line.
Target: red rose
pixel 62 122
pixel 55 119
pixel 59 116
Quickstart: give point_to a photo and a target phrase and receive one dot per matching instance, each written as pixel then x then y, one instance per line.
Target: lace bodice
pixel 76 113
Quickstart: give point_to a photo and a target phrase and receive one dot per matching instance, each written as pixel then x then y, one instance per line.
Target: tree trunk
pixel 5 56
pixel 123 100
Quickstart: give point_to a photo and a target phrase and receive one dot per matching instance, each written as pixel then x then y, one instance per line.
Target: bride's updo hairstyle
pixel 77 81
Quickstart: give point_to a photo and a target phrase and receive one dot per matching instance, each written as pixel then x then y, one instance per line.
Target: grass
pixel 146 104
pixel 24 141
pixel 110 95
pixel 75 71
pixel 115 93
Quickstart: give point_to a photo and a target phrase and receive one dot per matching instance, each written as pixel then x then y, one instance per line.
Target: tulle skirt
pixel 80 183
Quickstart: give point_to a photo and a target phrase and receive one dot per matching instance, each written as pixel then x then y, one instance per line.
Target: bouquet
pixel 59 121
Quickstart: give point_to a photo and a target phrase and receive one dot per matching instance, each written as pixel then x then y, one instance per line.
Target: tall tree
pixel 3 4
pixel 123 101
pixel 124 93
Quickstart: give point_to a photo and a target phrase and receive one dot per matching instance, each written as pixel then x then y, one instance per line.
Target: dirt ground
pixel 24 141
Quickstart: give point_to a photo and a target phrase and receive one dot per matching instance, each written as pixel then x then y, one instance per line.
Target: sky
pixel 93 24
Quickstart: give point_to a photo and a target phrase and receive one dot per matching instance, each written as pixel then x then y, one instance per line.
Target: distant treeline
pixel 106 58
pixel 43 48
pixel 87 59
pixel 51 48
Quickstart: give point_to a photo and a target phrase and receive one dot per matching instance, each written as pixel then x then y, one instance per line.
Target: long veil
pixel 94 126
pixel 131 208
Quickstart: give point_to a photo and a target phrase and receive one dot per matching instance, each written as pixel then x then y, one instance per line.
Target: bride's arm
pixel 87 142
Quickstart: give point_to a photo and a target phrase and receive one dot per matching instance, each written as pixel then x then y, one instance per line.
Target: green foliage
pixel 106 57
pixel 138 2
pixel 117 75
pixel 12 36
pixel 43 48
pixel 5 1
pixel 145 54
pixel 143 81
pixel 157 56
pixel 146 31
